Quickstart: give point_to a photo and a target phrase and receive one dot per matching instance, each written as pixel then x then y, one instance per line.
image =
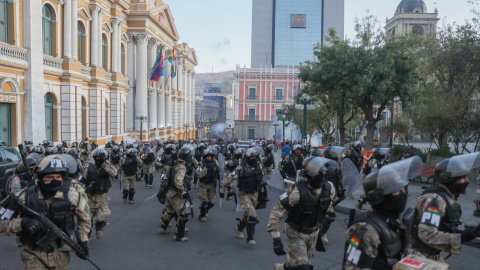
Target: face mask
pixel 317 181
pixel 458 189
pixel 98 162
pixel 251 161
pixel 49 188
pixel 395 204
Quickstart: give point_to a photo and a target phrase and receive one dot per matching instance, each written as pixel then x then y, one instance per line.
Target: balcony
pixel 250 117
pixel 53 64
pixel 252 97
pixel 13 54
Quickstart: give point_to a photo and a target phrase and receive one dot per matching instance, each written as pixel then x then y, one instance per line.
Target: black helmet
pixel 31 161
pixel 169 148
pixel 100 153
pixel 269 148
pixel 449 171
pixel 251 152
pixel 51 164
pixel 71 162
pixel 115 149
pixel 74 144
pixel 51 150
pixel 131 152
pixel 238 153
pixel 37 149
pixel 73 152
pixel 317 152
pixel 35 156
pixel 209 152
pixel 184 153
pixel 333 152
pixel 201 146
pixel 94 145
pixel 312 166
pixel 231 148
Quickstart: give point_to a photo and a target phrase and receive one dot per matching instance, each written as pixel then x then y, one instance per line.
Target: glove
pixel 86 252
pixel 221 194
pixel 468 235
pixel 278 246
pixel 31 226
pixel 185 195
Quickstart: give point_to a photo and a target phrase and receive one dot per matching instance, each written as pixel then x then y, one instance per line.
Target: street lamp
pixel 283 118
pixel 305 100
pixel 141 119
pixel 186 131
pixel 275 141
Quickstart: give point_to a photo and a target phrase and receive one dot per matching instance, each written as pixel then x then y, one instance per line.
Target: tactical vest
pixel 198 155
pixel 292 166
pixel 392 235
pixel 235 165
pixel 130 168
pixel 356 157
pixel 307 215
pixel 189 165
pixel 101 180
pixel 167 159
pixel 115 159
pixel 173 172
pixel 58 211
pixel 448 223
pixel 212 172
pixel 251 179
pixel 270 160
pixel 149 160
pixel 334 175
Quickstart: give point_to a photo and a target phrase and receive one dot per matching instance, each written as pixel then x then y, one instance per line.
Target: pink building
pixel 259 92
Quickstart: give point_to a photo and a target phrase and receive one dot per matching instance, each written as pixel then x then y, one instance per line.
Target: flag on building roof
pixel 173 60
pixel 158 68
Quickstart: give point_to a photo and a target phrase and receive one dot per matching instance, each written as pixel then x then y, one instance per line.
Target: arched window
pixel 49 117
pixel 104 51
pixel 47 30
pixel 123 60
pixel 4 21
pixel 80 41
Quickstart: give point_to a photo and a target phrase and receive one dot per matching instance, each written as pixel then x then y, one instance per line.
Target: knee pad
pixel 99 225
pixel 125 192
pixel 183 220
pixel 252 221
pixel 304 267
pixel 132 191
pixel 331 217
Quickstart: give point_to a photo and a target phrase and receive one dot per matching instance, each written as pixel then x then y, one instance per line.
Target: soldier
pixel 74 153
pixel 334 173
pixel 22 180
pixel 130 167
pixel 377 240
pixel 84 151
pixel 209 175
pixel 317 152
pixel 54 190
pixel 355 154
pixel 249 175
pixel 476 201
pixel 435 228
pixel 306 203
pixel 97 182
pixel 148 158
pixel 230 167
pixel 376 161
pixel 229 153
pixel 115 158
pixel 268 160
pixel 290 164
pixel 176 196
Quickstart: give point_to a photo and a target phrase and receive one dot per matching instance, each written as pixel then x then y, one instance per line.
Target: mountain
pixel 219 79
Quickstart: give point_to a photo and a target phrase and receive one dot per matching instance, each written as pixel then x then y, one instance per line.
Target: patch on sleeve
pixel 430 215
pixel 355 254
pixel 283 201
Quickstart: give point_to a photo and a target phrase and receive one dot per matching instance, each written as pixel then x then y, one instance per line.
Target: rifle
pixel 53 232
pixel 407 222
pixel 29 175
pixel 351 217
pixel 361 202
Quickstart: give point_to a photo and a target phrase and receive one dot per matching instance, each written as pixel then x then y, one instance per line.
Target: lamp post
pixel 141 119
pixel 186 131
pixel 275 148
pixel 283 118
pixel 305 100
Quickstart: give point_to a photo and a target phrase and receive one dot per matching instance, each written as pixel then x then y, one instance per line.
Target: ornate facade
pixel 411 16
pixel 71 69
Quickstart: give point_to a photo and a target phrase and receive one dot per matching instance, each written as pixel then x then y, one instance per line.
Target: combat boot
pixel 150 180
pixel 203 212
pixel 278 266
pixel 239 228
pixel 99 227
pixel 477 202
pixel 325 239
pixel 163 226
pixel 125 195
pixel 180 235
pixel 252 221
pixel 130 196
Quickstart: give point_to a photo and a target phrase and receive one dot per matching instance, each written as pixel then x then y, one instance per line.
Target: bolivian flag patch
pixel 354 242
pixel 432 209
pixel 280 205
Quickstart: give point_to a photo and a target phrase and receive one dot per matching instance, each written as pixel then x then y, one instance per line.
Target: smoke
pixel 220 44
pixel 218 130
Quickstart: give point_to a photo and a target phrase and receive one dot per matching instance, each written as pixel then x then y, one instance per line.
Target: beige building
pixel 411 16
pixel 71 69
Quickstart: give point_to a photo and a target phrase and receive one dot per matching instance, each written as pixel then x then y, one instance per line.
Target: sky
pixel 220 30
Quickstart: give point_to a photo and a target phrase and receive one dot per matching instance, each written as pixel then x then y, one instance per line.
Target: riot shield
pixel 462 165
pixel 259 150
pixel 393 177
pixel 337 151
pixel 351 179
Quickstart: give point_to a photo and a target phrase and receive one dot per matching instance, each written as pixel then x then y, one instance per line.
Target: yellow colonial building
pixel 71 69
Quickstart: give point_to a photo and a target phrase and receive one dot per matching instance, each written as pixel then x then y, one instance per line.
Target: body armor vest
pixel 251 179
pixel 212 171
pixel 448 223
pixel 115 159
pixel 270 160
pixel 130 167
pixel 149 160
pixel 58 211
pixel 228 155
pixel 198 155
pixel 292 166
pixel 167 159
pixel 334 175
pixel 173 172
pixel 356 157
pixel 100 181
pixel 235 165
pixel 307 215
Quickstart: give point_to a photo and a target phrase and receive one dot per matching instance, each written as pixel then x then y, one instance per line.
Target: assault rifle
pixel 28 175
pixel 53 232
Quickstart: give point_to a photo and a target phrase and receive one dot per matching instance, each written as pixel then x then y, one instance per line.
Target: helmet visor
pixel 393 177
pixel 462 165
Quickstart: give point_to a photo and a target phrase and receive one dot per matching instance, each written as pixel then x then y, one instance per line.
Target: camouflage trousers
pixel 207 192
pixel 248 202
pixel 98 204
pixel 147 169
pixel 129 182
pixel 40 260
pixel 174 206
pixel 300 246
pixel 267 170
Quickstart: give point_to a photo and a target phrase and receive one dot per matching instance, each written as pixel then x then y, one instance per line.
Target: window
pixel 47 30
pixel 4 21
pixel 251 134
pixel 278 94
pixel 252 93
pixel 123 59
pixel 251 114
pixel 80 35
pixel 104 52
pixel 49 117
pixel 10 155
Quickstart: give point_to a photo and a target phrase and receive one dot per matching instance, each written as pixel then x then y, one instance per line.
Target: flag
pixel 297 89
pixel 173 61
pixel 158 68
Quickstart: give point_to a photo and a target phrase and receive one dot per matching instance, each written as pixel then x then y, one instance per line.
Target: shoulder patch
pixel 430 215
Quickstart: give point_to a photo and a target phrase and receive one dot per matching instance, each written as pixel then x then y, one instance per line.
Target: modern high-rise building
pixel 284 32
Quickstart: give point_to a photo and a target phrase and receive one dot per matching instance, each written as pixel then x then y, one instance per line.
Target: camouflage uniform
pixel 147 169
pixel 60 257
pixel 373 165
pixel 430 234
pixel 299 245
pixel 356 157
pixel 207 193
pixel 282 168
pixel 268 169
pixel 83 155
pixel 369 242
pixel 129 181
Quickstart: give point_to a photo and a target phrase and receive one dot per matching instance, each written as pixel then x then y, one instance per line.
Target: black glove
pixel 85 253
pixel 278 246
pixel 222 195
pixel 185 195
pixel 31 226
pixel 469 234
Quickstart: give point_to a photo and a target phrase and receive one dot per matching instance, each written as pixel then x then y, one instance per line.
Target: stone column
pixel 100 40
pixel 141 95
pixel 94 36
pixel 161 108
pixel 131 76
pixel 152 108
pixel 192 113
pixel 67 29
pixel 168 85
pixel 116 52
pixel 74 30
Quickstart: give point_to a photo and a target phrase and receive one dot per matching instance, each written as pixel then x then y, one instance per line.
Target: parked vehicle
pixel 9 159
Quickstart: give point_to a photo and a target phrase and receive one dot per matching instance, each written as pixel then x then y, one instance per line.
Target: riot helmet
pixel 252 145
pixel 51 171
pixel 238 153
pixel 100 156
pixel 51 150
pixel 131 153
pixel 149 150
pixel 169 148
pixel 94 145
pixel 231 148
pixel 333 152
pixel 35 156
pixel 317 152
pixel 269 148
pixel 38 149
pixel 71 163
pixel 209 152
pixel 297 147
pixel 448 172
pixel 31 161
pixel 184 153
pixel 115 149
pixel 357 145
pixel 201 147
pixel 190 147
pixel 251 156
pixel 73 152
pixel 314 169
pixel 74 144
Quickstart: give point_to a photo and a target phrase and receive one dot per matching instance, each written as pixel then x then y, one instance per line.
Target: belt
pixel 302 229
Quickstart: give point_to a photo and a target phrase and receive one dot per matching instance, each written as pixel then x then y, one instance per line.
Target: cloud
pixel 223 61
pixel 220 44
